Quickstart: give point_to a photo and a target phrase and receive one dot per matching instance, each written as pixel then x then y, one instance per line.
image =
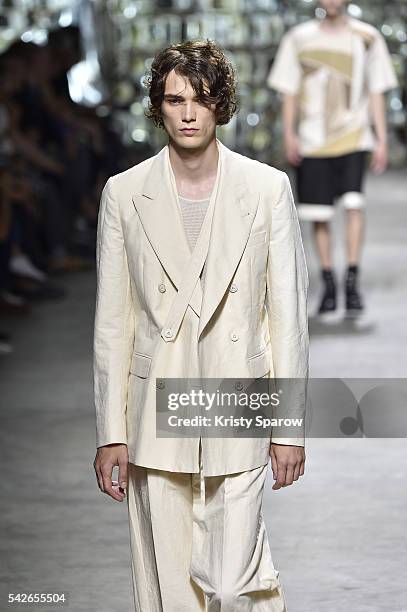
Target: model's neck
pixel 336 22
pixel 194 166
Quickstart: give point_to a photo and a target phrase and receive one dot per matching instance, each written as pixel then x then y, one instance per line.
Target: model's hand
pixel 379 158
pixel 287 463
pixel 292 148
pixel 107 457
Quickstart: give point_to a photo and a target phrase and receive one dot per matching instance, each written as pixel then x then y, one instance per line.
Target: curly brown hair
pixel 210 73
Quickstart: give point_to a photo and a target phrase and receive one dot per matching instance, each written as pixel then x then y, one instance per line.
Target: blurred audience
pixel 55 156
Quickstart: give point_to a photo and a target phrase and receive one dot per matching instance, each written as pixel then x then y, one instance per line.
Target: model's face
pixel 333 8
pixel 187 121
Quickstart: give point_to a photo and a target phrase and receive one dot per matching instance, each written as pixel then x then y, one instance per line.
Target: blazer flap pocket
pixel 140 364
pixel 259 237
pixel 260 364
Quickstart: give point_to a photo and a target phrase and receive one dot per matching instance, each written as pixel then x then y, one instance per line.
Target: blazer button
pixel 168 332
pixel 160 384
pixel 239 385
pixel 234 337
pixel 233 288
pixel 162 288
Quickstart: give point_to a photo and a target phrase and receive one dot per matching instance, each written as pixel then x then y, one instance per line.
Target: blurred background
pixel 72 106
pixel 72 114
pixel 98 53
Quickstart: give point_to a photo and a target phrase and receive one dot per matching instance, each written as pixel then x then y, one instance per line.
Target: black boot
pixel 354 303
pixel 328 301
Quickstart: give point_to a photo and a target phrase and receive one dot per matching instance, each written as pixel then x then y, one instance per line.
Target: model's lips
pixel 189 130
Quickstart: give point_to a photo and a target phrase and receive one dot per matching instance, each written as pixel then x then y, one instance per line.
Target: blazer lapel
pixel 235 210
pixel 160 216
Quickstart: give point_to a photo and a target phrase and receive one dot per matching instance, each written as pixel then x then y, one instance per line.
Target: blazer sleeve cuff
pixel 112 437
pixel 288 441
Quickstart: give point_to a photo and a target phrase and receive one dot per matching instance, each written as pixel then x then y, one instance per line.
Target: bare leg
pixel 322 233
pixel 354 234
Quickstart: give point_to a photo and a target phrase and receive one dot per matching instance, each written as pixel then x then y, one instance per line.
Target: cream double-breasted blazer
pixel 236 307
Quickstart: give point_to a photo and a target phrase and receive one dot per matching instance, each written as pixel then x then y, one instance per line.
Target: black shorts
pixel 321 181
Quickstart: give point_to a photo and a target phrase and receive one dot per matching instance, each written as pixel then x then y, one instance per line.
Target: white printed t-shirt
pixel 333 75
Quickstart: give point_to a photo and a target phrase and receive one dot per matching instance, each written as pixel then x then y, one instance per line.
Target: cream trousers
pixel 200 543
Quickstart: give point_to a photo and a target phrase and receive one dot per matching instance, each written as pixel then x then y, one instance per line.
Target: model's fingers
pixel 297 470
pixel 281 472
pixel 107 469
pixel 378 163
pixel 289 475
pixel 99 477
pixel 273 463
pixel 382 164
pixel 118 490
pixel 123 467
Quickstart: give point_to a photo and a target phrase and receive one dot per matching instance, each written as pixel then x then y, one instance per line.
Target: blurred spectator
pixel 55 157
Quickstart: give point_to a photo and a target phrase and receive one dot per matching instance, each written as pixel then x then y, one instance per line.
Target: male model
pixel 201 273
pixel 333 73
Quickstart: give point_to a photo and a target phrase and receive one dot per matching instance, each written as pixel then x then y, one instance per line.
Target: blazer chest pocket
pixel 260 364
pixel 140 364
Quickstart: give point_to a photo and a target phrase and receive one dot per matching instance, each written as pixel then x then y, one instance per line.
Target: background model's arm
pixel 380 152
pixel 290 114
pixel 285 76
pixel 381 77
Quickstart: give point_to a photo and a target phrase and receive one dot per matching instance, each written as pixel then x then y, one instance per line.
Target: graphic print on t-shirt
pixel 333 75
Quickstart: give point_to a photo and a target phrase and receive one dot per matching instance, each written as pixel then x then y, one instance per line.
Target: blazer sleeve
pixel 114 324
pixel 286 303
